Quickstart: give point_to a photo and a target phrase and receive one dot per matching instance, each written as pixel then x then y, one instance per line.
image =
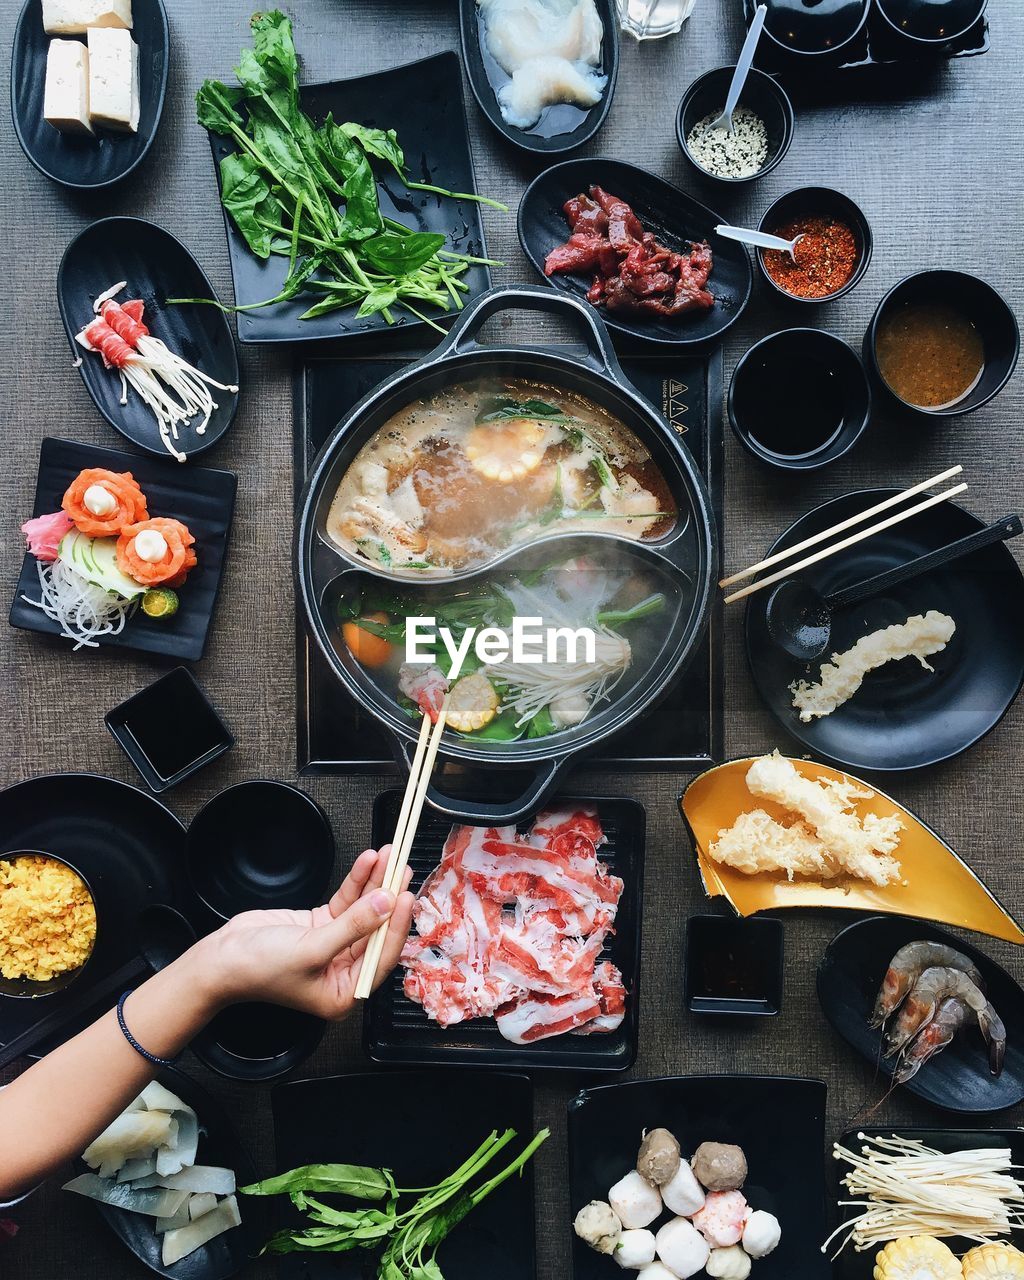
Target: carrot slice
pixel 172 568
pixel 122 487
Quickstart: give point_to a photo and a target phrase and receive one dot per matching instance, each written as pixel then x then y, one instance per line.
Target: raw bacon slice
pixel 537 1017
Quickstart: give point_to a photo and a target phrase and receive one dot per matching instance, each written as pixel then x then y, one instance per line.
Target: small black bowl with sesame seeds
pixel 763 127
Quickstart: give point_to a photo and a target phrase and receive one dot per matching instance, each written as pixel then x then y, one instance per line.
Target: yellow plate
pixel 938 884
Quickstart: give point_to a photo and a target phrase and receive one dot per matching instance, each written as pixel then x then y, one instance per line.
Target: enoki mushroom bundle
pixel 904 1188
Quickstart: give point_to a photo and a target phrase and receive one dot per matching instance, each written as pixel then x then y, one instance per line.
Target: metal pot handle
pixel 462 336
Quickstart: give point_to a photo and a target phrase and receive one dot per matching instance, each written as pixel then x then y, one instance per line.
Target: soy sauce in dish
pixel 171 735
pixel 929 354
pixel 792 407
pixel 813 25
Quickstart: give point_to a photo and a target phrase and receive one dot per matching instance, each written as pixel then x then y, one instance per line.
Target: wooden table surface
pixel 933 159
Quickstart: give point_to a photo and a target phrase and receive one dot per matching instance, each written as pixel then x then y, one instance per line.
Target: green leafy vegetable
pixel 358 1181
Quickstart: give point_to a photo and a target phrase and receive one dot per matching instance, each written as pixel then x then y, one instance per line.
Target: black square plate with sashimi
pixel 200 498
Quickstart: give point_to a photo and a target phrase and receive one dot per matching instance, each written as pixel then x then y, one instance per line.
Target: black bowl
pixel 841 362
pixel 260 844
pixel 26 988
pixel 761 94
pixel 806 202
pixel 733 966
pixel 801 30
pixel 987 311
pixel 930 24
pixel 257 1042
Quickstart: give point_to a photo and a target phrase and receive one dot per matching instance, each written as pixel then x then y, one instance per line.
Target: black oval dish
pixel 823 34
pixel 156 266
pixel 218 1145
pixel 958 1078
pixel 87 163
pixel 903 717
pixel 26 988
pixel 779 1121
pixel 761 94
pixel 823 201
pixel 674 217
pixel 257 1042
pixel 983 306
pixel 562 126
pixel 930 26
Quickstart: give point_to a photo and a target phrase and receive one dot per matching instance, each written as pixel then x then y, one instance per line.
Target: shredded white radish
pixel 86 613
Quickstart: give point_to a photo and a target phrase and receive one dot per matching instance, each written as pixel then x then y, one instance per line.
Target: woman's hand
pixel 309 960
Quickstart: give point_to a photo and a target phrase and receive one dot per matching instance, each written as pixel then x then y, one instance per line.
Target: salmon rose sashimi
pixel 129 502
pixel 172 567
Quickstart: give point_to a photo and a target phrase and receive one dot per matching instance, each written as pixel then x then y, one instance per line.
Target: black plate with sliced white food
pixel 560 126
pixel 86 160
pixel 155 267
pixel 675 218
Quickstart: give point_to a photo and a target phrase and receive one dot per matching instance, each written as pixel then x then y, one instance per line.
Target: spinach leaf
pixel 502 728
pixel 401 255
pixel 382 143
pixel 216 107
pixel 378 300
pixel 358 1181
pixel 274 48
pixel 541 724
pixel 246 196
pixel 500 408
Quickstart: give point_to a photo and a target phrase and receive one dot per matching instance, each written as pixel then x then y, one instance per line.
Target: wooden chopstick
pixel 846 542
pixel 789 552
pixel 405 834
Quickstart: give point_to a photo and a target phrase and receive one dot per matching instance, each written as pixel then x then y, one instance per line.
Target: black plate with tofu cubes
pixel 86 161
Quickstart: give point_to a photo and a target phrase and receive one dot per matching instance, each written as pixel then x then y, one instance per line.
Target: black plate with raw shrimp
pixel 674 217
pixel 156 266
pixel 563 126
pixel 218 1145
pixel 421 1125
pixel 958 1078
pixel 199 497
pixel 902 716
pixel 82 162
pixel 779 1121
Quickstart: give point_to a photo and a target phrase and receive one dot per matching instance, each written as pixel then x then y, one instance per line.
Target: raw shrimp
pixel 426 686
pixel 906 967
pixel 949 1018
pixel 928 992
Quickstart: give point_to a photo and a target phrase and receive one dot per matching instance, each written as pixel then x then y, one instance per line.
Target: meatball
pixel 598 1225
pixel 659 1157
pixel 719 1166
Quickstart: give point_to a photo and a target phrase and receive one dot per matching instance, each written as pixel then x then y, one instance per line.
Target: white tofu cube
pixel 75 17
pixel 113 79
pixel 66 95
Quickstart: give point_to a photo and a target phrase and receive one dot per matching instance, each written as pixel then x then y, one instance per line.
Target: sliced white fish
pixel 541 82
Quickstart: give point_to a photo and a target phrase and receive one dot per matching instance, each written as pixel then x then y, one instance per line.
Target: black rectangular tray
pixel 396 1030
pixel 684 732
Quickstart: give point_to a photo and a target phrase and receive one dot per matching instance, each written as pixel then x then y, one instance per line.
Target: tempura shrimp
pixel 949 1018
pixel 933 987
pixel 906 967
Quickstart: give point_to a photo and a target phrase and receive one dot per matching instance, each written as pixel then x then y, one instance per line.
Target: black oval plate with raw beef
pixel 156 266
pixel 563 126
pixel 82 162
pixel 958 1078
pixel 676 220
pixel 201 498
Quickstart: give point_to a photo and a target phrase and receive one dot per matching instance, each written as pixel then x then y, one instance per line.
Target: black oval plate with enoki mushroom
pixel 172 390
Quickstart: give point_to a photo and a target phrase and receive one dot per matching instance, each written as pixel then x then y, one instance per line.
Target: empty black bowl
pixel 806 28
pixel 761 94
pixel 257 1042
pixel 257 845
pixel 931 23
pixel 983 306
pixel 782 390
pixel 734 966
pixel 26 988
pixel 806 202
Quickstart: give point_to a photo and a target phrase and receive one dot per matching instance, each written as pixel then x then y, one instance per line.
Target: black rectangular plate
pixel 685 731
pixel 779 1121
pixel 422 101
pixel 851 1265
pixel 421 1125
pixel 396 1030
pixel 200 497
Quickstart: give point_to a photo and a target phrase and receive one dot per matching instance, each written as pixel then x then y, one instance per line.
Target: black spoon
pixel 162 935
pixel 799 617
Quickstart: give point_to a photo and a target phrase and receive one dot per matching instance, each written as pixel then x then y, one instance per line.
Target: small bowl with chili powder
pixel 834 253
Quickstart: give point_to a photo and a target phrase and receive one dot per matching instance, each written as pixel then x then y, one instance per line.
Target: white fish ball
pixel 682 1248
pixel 656 1271
pixel 761 1234
pixel 635 1249
pixel 683 1194
pixel 729 1264
pixel 635 1201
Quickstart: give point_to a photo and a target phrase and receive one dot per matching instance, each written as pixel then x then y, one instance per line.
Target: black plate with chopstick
pixel 779 1121
pixel 82 162
pixel 421 1125
pixel 958 1078
pixel 674 217
pixel 902 716
pixel 562 126
pixel 156 266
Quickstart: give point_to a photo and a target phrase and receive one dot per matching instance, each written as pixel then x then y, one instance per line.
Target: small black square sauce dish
pixel 734 967
pixel 169 729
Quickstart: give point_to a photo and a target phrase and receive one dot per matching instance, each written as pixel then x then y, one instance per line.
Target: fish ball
pixel 761 1234
pixel 729 1264
pixel 719 1166
pixel 635 1201
pixel 656 1271
pixel 682 1248
pixel 598 1225
pixel 683 1194
pixel 634 1250
pixel 659 1157
pixel 722 1219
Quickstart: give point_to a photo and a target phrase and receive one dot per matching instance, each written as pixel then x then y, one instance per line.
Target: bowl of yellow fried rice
pixel 47 923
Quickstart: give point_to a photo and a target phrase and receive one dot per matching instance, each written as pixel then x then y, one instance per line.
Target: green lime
pixel 160 602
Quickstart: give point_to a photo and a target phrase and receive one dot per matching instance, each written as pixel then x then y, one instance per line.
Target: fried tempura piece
pixel 756 843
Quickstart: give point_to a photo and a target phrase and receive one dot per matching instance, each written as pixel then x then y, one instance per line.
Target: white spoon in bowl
pixel 760 239
pixel 739 76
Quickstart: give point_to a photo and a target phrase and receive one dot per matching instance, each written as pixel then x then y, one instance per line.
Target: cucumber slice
pixel 106 572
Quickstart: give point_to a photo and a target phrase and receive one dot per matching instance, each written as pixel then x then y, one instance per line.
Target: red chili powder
pixel 826 257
